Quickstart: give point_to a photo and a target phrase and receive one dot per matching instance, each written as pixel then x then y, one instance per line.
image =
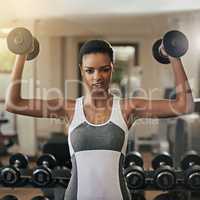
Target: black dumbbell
pixel 11 175
pixel 190 163
pixel 40 198
pixel 165 196
pixel 42 175
pixel 21 41
pixel 9 197
pixel 174 42
pixel 138 196
pixel 133 171
pixel 164 175
pixel 63 175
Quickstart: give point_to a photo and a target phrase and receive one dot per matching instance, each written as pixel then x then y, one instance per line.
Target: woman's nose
pixel 97 75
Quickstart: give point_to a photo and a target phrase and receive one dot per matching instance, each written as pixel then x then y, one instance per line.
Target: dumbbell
pixel 138 196
pixel 42 175
pixel 11 175
pixel 190 163
pixel 9 197
pixel 20 41
pixel 65 173
pixel 133 170
pixel 40 198
pixel 165 196
pixel 175 44
pixel 164 175
pixel 173 195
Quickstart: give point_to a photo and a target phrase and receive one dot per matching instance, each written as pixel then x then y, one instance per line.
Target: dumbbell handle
pixel 17 163
pixel 161 48
pixel 163 164
pixel 33 47
pixel 191 164
pixel 45 164
pixel 132 164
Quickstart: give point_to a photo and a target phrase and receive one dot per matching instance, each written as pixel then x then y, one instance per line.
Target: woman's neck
pixel 98 101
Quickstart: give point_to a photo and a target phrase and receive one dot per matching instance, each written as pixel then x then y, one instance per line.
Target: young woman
pixel 99 121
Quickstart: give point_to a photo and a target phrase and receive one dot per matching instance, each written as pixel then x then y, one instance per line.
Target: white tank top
pixel 97 154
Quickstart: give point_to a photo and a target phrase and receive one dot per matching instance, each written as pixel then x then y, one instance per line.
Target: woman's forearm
pixel 14 89
pixel 183 91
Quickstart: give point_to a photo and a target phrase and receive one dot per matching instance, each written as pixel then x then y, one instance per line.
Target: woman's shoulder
pixel 127 105
pixel 70 105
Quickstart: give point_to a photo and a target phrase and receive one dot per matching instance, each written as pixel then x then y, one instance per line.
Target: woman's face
pixel 96 71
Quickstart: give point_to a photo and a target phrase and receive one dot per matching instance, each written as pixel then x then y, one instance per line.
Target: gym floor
pixel 28 193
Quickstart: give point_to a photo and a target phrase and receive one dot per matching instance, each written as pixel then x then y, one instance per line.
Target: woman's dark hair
pixel 95 46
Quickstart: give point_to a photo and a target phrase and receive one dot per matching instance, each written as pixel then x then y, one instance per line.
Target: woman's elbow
pixel 11 106
pixel 187 107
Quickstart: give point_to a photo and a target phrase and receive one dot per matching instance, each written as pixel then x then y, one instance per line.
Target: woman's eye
pixel 89 71
pixel 106 69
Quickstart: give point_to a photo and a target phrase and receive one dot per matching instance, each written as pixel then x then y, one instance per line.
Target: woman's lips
pixel 98 85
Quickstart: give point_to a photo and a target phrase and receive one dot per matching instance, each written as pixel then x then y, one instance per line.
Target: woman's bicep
pixel 156 108
pixel 53 108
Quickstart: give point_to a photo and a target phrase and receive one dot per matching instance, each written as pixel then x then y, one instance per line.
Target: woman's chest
pixel 103 137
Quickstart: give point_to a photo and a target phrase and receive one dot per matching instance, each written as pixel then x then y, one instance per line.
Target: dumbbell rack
pixel 163 176
pixel 60 177
pixel 178 192
pixel 150 185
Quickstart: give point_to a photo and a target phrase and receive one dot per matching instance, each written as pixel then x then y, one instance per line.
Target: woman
pixel 99 121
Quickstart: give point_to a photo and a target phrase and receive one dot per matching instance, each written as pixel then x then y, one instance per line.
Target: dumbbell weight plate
pixel 9 197
pixel 135 177
pixel 165 179
pixel 175 43
pixel 179 195
pixel 133 157
pixel 9 176
pixel 40 198
pixel 138 196
pixel 164 196
pixel 193 179
pixel 64 175
pixel 36 50
pixel 21 159
pixel 42 176
pixel 162 158
pixel 157 55
pixel 20 41
pixel 189 158
pixel 47 158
